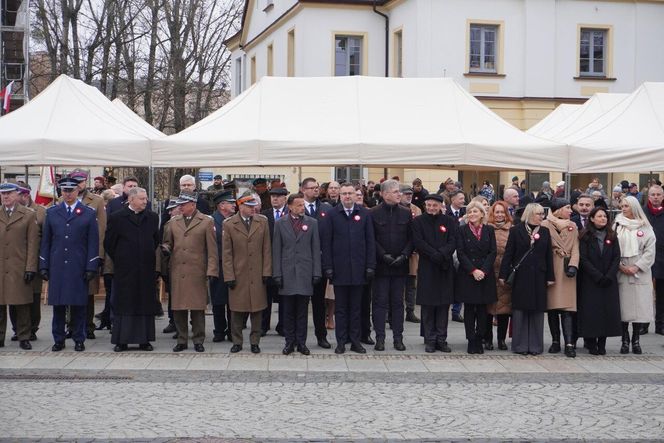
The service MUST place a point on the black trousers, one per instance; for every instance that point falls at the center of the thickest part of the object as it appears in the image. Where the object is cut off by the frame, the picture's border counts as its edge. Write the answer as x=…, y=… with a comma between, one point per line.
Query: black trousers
x=221, y=316
x=348, y=314
x=388, y=294
x=35, y=314
x=318, y=309
x=503, y=323
x=474, y=318
x=659, y=303
x=411, y=291
x=434, y=323
x=365, y=312
x=77, y=325
x=296, y=318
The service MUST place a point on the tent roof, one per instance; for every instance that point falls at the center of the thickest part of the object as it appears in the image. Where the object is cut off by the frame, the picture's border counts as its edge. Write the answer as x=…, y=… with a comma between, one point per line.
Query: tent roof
x=156, y=133
x=71, y=123
x=556, y=117
x=371, y=121
x=628, y=137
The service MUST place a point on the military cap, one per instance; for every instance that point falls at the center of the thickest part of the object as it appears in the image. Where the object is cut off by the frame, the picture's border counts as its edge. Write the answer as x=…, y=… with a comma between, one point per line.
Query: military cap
x=79, y=175
x=218, y=177
x=172, y=203
x=8, y=187
x=259, y=181
x=247, y=199
x=68, y=183
x=187, y=197
x=223, y=196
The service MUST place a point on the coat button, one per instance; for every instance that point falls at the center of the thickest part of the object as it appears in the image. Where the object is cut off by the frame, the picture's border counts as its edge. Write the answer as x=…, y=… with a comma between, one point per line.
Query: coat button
x=65, y=261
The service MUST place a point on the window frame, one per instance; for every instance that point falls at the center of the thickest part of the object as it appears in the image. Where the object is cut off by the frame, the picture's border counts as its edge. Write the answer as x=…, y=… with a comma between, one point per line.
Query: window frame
x=591, y=52
x=363, y=56
x=499, y=48
x=483, y=30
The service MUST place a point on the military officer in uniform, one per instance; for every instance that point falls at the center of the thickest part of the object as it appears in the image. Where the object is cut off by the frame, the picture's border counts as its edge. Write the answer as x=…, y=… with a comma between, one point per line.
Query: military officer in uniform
x=19, y=241
x=221, y=313
x=96, y=203
x=190, y=241
x=69, y=256
x=247, y=262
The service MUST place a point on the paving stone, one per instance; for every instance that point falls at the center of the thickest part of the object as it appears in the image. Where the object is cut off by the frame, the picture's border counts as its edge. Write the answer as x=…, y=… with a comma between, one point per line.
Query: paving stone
x=15, y=361
x=91, y=362
x=368, y=365
x=242, y=363
x=179, y=362
x=287, y=364
x=209, y=363
x=130, y=362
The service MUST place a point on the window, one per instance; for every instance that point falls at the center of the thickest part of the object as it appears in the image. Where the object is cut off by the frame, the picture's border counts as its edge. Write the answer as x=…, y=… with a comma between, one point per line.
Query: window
x=253, y=69
x=270, y=60
x=352, y=174
x=347, y=55
x=291, y=53
x=592, y=52
x=483, y=48
x=398, y=54
x=238, y=76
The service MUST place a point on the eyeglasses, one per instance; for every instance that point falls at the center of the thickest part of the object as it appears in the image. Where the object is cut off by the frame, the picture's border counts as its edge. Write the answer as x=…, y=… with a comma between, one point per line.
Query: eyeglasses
x=311, y=188
x=347, y=193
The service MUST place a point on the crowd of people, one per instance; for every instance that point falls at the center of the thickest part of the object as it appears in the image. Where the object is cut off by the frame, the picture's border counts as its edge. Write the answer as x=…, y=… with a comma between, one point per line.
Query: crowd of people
x=362, y=256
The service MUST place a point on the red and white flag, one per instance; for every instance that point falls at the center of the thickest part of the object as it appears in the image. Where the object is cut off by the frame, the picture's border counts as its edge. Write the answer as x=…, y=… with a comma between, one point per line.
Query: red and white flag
x=6, y=95
x=46, y=190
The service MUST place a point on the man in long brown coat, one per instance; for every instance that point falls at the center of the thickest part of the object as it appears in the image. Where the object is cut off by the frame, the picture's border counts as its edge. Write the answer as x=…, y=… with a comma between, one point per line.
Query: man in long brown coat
x=19, y=238
x=190, y=241
x=95, y=202
x=247, y=263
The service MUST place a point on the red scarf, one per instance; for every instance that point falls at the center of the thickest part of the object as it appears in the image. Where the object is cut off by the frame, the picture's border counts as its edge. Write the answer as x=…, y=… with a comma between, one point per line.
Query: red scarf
x=653, y=210
x=477, y=232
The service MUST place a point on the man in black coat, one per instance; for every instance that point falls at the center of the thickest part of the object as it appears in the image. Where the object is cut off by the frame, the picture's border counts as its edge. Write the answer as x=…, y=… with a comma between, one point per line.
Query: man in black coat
x=654, y=210
x=392, y=227
x=313, y=207
x=132, y=239
x=118, y=203
x=277, y=210
x=221, y=312
x=349, y=262
x=584, y=205
x=434, y=238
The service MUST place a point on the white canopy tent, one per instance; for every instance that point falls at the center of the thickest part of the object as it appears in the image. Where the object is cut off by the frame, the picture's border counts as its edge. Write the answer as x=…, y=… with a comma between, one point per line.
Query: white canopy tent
x=628, y=137
x=156, y=133
x=556, y=117
x=368, y=121
x=71, y=123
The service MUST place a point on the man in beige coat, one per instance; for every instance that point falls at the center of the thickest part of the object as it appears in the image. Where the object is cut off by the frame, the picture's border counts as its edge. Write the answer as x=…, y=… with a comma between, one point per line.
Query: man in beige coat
x=247, y=263
x=19, y=237
x=191, y=244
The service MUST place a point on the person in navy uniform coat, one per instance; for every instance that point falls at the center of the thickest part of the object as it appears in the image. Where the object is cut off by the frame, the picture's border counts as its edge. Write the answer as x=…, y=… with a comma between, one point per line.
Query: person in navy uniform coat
x=349, y=262
x=69, y=260
x=221, y=313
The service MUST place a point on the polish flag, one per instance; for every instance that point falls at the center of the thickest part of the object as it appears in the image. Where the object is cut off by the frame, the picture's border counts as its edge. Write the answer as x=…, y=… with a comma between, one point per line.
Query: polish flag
x=45, y=192
x=6, y=95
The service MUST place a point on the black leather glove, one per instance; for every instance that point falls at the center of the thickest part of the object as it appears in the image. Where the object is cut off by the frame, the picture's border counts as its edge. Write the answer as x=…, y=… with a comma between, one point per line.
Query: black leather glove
x=278, y=282
x=571, y=271
x=399, y=261
x=315, y=280
x=231, y=284
x=28, y=277
x=165, y=251
x=329, y=274
x=212, y=280
x=266, y=280
x=369, y=274
x=89, y=276
x=437, y=258
x=101, y=263
x=44, y=274
x=388, y=259
x=605, y=282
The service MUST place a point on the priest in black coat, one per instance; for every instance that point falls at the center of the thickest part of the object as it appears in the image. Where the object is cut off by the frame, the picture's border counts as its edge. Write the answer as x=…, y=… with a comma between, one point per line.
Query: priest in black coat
x=434, y=239
x=132, y=239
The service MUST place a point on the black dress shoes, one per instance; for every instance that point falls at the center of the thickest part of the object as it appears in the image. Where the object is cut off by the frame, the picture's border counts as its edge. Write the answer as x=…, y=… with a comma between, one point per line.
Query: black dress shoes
x=443, y=347
x=179, y=347
x=14, y=337
x=340, y=349
x=236, y=348
x=175, y=336
x=79, y=346
x=288, y=349
x=33, y=336
x=430, y=348
x=120, y=348
x=380, y=345
x=399, y=346
x=302, y=349
x=488, y=345
x=554, y=348
x=255, y=349
x=502, y=346
x=323, y=343
x=367, y=340
x=198, y=347
x=411, y=317
x=25, y=344
x=218, y=338
x=56, y=347
x=103, y=325
x=357, y=348
x=146, y=347
x=90, y=335
x=169, y=329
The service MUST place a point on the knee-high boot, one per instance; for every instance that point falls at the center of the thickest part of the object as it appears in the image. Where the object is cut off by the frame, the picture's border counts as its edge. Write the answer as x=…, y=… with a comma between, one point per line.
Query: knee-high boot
x=636, y=346
x=554, y=326
x=624, y=348
x=568, y=333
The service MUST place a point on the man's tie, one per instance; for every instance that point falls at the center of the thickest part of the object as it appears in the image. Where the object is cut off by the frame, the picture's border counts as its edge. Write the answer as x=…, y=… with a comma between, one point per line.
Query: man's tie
x=247, y=223
x=583, y=222
x=456, y=214
x=9, y=213
x=511, y=211
x=277, y=214
x=349, y=211
x=312, y=209
x=68, y=211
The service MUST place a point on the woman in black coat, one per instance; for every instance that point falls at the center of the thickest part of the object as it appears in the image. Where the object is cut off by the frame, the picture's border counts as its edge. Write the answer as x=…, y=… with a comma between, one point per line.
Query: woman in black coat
x=599, y=301
x=529, y=243
x=475, y=282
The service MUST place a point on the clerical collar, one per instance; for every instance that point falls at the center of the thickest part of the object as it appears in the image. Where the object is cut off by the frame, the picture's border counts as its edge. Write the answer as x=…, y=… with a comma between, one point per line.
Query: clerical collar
x=133, y=210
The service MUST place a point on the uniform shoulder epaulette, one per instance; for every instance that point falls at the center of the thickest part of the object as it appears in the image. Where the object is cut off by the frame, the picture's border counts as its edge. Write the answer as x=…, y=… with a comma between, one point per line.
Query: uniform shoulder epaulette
x=260, y=217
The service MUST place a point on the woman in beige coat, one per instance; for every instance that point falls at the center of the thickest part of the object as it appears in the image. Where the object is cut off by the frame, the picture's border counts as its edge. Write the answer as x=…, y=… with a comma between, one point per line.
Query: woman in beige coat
x=561, y=296
x=637, y=255
x=499, y=218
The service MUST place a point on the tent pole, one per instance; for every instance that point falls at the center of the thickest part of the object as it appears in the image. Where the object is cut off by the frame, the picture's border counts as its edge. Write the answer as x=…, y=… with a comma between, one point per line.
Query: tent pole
x=568, y=184
x=26, y=174
x=299, y=176
x=151, y=183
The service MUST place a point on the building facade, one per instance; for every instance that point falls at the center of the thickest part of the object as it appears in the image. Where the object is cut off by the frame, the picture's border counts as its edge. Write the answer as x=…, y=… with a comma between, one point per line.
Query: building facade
x=519, y=57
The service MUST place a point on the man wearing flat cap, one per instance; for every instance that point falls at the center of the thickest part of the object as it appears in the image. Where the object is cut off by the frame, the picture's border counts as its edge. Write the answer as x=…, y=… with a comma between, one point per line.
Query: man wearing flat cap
x=212, y=190
x=260, y=187
x=278, y=209
x=96, y=203
x=247, y=262
x=190, y=241
x=224, y=203
x=69, y=257
x=19, y=237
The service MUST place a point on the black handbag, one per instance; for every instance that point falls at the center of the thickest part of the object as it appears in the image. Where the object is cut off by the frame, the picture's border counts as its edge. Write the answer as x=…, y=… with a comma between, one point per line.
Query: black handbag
x=512, y=275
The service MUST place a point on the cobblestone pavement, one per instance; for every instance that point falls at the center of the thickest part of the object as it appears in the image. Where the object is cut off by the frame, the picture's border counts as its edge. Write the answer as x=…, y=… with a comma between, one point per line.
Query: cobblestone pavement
x=164, y=397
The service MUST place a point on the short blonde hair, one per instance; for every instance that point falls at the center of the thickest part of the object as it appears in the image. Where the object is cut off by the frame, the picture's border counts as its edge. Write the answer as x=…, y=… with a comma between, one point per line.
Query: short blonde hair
x=476, y=204
x=530, y=210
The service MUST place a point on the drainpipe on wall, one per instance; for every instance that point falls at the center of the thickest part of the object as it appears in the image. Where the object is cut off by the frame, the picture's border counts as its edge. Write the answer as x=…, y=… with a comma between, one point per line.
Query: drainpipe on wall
x=387, y=37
